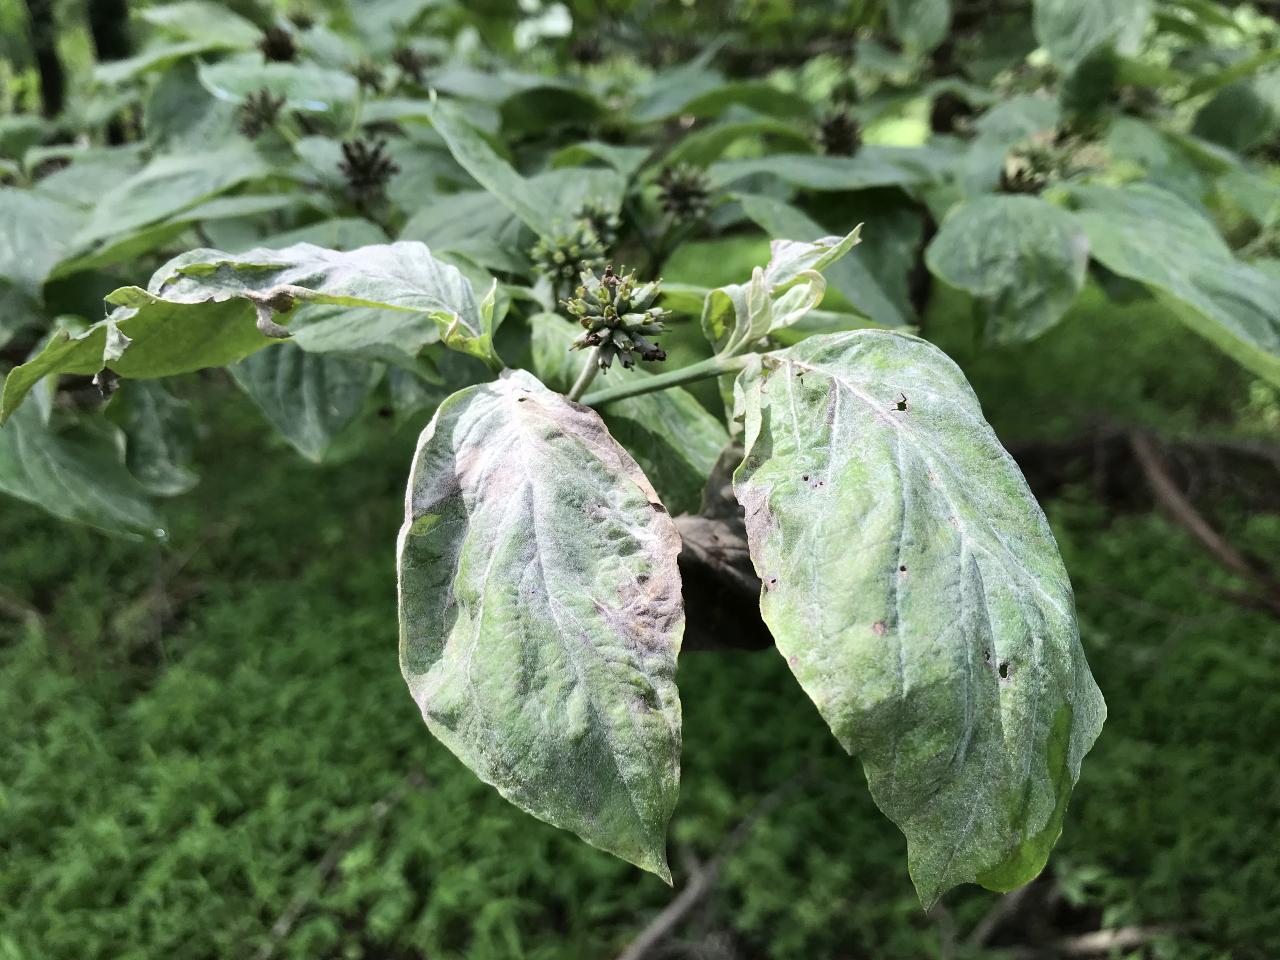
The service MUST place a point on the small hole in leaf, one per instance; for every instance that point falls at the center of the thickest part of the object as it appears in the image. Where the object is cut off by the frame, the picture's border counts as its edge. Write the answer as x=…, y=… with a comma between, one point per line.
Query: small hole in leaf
x=902, y=402
x=903, y=568
x=521, y=399
x=805, y=478
x=1004, y=669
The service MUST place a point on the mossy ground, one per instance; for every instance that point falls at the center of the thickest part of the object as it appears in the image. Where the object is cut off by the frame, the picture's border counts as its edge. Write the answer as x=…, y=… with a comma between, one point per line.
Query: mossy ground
x=190, y=730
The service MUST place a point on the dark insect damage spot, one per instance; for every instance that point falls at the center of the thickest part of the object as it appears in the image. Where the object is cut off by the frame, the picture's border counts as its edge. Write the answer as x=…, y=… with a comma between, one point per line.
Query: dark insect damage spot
x=903, y=568
x=1004, y=669
x=902, y=404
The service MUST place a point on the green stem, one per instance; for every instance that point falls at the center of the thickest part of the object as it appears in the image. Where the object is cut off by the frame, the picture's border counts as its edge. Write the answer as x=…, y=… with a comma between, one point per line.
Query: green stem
x=713, y=367
x=588, y=374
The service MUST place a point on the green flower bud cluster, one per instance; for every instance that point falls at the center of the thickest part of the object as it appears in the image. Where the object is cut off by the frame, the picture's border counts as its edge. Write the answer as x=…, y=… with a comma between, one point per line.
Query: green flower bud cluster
x=561, y=258
x=604, y=222
x=619, y=317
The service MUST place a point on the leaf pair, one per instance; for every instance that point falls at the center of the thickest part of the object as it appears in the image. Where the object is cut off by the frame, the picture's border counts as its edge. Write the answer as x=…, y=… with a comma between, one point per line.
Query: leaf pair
x=909, y=578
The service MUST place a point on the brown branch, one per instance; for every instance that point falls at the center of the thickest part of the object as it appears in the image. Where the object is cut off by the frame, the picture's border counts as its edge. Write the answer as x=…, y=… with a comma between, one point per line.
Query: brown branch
x=1092, y=944
x=1004, y=910
x=702, y=879
x=1181, y=510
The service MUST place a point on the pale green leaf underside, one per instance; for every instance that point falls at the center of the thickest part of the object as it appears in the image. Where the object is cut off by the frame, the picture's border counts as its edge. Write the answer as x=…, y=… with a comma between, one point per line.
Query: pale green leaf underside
x=912, y=583
x=1150, y=235
x=1022, y=258
x=541, y=616
x=198, y=310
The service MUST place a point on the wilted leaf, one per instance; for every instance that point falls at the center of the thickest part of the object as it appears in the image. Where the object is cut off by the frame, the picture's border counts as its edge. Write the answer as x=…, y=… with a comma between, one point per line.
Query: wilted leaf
x=1022, y=258
x=914, y=587
x=779, y=294
x=849, y=275
x=541, y=616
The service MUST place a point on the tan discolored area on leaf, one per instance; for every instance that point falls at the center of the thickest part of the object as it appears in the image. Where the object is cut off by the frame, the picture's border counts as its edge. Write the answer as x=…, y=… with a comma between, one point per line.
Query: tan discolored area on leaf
x=912, y=583
x=541, y=614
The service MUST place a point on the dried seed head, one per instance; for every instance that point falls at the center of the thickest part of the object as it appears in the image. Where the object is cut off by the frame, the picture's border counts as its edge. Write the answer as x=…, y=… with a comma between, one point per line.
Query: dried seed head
x=259, y=111
x=277, y=44
x=412, y=63
x=367, y=167
x=369, y=75
x=684, y=192
x=839, y=134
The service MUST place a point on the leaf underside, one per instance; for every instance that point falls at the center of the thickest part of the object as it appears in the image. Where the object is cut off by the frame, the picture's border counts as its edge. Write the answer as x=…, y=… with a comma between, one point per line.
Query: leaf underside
x=540, y=613
x=912, y=583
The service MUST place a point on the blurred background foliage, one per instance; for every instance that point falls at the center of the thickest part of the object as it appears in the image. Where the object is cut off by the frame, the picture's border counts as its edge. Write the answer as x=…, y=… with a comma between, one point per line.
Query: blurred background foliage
x=207, y=750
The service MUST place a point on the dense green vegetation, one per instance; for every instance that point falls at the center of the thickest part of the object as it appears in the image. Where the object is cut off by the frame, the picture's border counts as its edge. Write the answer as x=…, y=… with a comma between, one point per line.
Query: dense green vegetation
x=750, y=238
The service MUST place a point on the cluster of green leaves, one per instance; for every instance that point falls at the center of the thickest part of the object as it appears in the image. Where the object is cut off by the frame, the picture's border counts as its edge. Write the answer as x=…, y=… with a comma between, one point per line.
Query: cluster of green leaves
x=384, y=224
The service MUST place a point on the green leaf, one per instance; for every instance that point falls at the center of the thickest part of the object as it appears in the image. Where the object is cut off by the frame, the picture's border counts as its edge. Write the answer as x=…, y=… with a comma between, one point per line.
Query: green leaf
x=167, y=186
x=35, y=233
x=310, y=398
x=493, y=173
x=920, y=24
x=1022, y=258
x=204, y=21
x=164, y=340
x=703, y=147
x=402, y=276
x=849, y=275
x=540, y=613
x=162, y=437
x=913, y=585
x=75, y=474
x=304, y=86
x=1072, y=29
x=873, y=166
x=1149, y=235
x=116, y=72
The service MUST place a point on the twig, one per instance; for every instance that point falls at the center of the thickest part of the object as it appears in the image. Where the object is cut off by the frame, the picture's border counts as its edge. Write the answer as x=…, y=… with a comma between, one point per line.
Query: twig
x=1005, y=908
x=703, y=879
x=18, y=609
x=1182, y=510
x=1092, y=944
x=325, y=868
